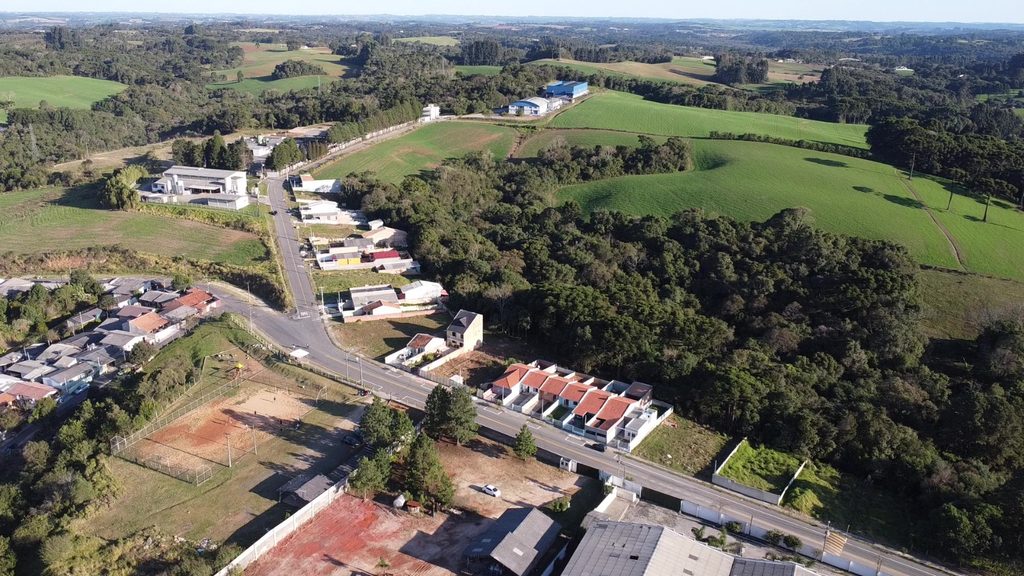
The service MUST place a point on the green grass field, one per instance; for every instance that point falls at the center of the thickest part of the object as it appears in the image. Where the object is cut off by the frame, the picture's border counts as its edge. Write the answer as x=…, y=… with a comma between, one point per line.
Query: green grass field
x=58, y=91
x=955, y=305
x=589, y=138
x=433, y=40
x=482, y=70
x=761, y=468
x=259, y=65
x=422, y=149
x=754, y=181
x=685, y=70
x=50, y=219
x=683, y=445
x=380, y=338
x=630, y=113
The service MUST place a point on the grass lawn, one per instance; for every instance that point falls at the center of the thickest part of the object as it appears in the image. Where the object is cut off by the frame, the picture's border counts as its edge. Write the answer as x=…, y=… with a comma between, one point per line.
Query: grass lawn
x=482, y=70
x=955, y=305
x=754, y=181
x=589, y=138
x=823, y=493
x=422, y=149
x=761, y=468
x=259, y=64
x=992, y=247
x=53, y=219
x=433, y=40
x=683, y=69
x=630, y=113
x=380, y=338
x=58, y=91
x=336, y=281
x=692, y=447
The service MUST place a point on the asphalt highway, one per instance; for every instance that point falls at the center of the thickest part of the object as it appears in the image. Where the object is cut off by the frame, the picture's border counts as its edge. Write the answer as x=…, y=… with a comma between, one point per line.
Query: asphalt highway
x=305, y=329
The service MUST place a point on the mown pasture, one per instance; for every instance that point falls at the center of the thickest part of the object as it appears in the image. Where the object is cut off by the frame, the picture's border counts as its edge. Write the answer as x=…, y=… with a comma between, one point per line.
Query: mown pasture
x=57, y=91
x=260, y=62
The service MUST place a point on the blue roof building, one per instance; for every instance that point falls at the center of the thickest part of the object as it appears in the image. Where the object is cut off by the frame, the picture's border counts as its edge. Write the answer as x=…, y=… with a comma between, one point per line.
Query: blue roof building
x=571, y=89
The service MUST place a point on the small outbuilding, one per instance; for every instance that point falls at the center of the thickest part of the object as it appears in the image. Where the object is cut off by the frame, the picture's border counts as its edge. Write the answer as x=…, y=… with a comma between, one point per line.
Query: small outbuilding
x=513, y=545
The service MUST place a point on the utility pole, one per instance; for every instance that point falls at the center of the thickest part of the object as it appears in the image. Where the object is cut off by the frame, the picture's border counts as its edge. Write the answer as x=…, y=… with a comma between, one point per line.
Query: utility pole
x=255, y=450
x=359, y=360
x=913, y=160
x=228, y=436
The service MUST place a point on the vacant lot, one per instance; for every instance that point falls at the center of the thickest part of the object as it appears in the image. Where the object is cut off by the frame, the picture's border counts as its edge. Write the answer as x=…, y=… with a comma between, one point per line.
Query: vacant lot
x=956, y=305
x=260, y=62
x=761, y=468
x=237, y=504
x=433, y=40
x=352, y=535
x=422, y=149
x=58, y=91
x=754, y=181
x=380, y=338
x=621, y=111
x=53, y=219
x=684, y=445
x=335, y=284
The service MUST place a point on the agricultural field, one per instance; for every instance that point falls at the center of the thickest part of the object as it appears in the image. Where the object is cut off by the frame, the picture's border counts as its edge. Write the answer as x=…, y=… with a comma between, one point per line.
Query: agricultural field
x=379, y=338
x=240, y=503
x=58, y=91
x=754, y=181
x=955, y=305
x=481, y=70
x=685, y=69
x=683, y=445
x=630, y=113
x=54, y=219
x=259, y=64
x=531, y=146
x=432, y=40
x=761, y=468
x=1017, y=97
x=422, y=149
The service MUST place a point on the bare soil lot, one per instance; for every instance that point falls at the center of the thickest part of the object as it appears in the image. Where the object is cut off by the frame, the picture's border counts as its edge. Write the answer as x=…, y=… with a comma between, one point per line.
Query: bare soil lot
x=352, y=535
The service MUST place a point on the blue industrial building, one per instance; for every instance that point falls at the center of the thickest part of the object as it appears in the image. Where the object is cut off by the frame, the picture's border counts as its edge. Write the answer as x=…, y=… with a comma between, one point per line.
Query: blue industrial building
x=572, y=90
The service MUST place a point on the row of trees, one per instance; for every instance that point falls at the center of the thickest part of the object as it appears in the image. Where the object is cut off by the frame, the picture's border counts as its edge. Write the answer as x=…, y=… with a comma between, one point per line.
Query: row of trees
x=212, y=153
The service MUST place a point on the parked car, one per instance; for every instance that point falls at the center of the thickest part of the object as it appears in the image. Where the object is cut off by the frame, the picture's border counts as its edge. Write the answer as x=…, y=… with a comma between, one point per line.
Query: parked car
x=273, y=212
x=351, y=440
x=598, y=446
x=492, y=490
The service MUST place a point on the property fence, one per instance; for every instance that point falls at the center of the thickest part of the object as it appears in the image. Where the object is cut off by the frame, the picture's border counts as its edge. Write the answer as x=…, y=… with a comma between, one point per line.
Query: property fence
x=284, y=529
x=194, y=475
x=763, y=495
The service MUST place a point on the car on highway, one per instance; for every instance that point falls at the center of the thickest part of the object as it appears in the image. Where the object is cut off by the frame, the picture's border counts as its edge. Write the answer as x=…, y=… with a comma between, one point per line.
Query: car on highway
x=492, y=490
x=598, y=446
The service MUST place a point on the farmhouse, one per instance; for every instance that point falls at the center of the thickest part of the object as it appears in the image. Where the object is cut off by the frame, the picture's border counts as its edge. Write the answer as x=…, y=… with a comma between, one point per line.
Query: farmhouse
x=571, y=90
x=466, y=330
x=192, y=180
x=513, y=545
x=613, y=412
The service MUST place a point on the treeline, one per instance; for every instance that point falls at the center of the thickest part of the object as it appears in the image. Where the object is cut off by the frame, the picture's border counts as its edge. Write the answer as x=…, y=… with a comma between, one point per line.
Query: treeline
x=403, y=112
x=212, y=153
x=805, y=144
x=985, y=164
x=576, y=49
x=294, y=68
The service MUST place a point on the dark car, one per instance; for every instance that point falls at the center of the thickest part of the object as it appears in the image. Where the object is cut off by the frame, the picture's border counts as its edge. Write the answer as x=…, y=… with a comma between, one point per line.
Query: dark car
x=598, y=446
x=351, y=441
x=273, y=212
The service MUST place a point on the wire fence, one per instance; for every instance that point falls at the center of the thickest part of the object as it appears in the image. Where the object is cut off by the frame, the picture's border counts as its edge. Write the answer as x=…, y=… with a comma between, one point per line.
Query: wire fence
x=194, y=475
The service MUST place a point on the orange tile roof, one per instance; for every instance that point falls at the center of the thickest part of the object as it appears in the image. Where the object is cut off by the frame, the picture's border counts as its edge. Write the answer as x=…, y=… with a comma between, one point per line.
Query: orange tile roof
x=574, y=391
x=6, y=399
x=195, y=298
x=592, y=402
x=512, y=376
x=420, y=340
x=554, y=385
x=535, y=379
x=614, y=409
x=148, y=323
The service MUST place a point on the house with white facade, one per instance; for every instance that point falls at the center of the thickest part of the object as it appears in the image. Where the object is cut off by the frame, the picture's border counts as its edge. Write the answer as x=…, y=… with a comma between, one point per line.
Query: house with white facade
x=421, y=292
x=192, y=180
x=430, y=113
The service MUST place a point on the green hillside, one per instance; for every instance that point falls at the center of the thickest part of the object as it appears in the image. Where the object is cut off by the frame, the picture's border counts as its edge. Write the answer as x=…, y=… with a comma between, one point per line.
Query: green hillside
x=753, y=181
x=259, y=64
x=58, y=91
x=422, y=149
x=589, y=138
x=621, y=111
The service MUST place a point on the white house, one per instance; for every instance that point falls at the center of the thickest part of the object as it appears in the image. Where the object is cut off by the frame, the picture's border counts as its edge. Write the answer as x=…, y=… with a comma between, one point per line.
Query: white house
x=307, y=183
x=192, y=180
x=430, y=113
x=529, y=107
x=321, y=211
x=421, y=291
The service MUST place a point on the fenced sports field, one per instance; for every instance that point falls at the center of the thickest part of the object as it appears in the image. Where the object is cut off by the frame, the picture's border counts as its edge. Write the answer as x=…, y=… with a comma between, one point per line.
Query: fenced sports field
x=237, y=405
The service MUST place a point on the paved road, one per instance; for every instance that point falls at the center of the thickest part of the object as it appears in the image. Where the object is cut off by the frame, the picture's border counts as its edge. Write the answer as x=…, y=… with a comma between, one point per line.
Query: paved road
x=309, y=332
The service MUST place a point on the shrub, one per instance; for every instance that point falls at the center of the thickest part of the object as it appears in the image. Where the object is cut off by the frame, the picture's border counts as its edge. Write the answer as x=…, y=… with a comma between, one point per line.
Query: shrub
x=792, y=542
x=734, y=527
x=774, y=537
x=559, y=504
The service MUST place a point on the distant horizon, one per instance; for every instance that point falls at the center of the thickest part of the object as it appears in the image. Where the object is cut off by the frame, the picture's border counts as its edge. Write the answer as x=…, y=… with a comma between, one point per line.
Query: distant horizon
x=874, y=11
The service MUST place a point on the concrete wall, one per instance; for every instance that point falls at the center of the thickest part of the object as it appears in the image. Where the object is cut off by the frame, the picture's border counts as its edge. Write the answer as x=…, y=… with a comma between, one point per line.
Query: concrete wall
x=764, y=496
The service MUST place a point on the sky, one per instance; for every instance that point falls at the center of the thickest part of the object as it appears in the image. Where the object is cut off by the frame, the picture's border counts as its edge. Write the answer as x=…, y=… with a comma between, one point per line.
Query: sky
x=1010, y=11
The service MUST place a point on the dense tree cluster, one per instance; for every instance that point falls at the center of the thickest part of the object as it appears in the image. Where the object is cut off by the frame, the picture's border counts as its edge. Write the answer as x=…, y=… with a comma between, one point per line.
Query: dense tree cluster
x=212, y=153
x=294, y=68
x=734, y=69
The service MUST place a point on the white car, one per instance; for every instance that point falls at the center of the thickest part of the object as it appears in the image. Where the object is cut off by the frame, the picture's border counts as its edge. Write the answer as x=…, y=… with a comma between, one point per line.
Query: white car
x=492, y=490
